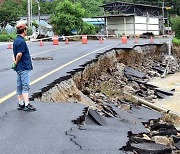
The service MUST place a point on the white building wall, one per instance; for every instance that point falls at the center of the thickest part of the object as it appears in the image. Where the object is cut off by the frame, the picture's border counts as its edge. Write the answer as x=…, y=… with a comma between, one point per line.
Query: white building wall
x=140, y=20
x=116, y=24
x=134, y=25
x=140, y=27
x=146, y=24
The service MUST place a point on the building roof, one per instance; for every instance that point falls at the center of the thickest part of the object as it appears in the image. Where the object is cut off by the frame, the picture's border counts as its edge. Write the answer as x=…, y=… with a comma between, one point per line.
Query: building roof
x=132, y=8
x=131, y=4
x=95, y=21
x=115, y=15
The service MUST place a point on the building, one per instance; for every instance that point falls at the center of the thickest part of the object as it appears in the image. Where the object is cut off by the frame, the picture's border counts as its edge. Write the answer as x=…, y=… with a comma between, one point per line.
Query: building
x=132, y=19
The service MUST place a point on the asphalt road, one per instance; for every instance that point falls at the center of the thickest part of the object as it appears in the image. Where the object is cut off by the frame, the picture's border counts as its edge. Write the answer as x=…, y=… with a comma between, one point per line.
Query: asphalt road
x=45, y=131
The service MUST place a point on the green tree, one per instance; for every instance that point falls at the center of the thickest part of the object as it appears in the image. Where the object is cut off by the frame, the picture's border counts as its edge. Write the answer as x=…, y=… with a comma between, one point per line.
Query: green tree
x=9, y=13
x=91, y=7
x=67, y=17
x=48, y=7
x=176, y=26
x=88, y=28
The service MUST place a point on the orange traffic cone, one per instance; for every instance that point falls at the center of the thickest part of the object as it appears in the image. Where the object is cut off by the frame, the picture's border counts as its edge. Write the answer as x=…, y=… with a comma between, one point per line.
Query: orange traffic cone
x=67, y=41
x=151, y=40
x=101, y=40
x=9, y=46
x=124, y=39
x=136, y=40
x=41, y=43
x=84, y=39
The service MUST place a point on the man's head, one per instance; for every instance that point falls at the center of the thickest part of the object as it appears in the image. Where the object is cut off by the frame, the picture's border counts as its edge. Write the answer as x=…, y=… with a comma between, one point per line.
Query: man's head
x=21, y=28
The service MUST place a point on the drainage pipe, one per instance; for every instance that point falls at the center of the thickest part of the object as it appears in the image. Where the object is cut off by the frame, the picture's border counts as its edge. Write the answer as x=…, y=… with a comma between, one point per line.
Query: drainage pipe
x=153, y=106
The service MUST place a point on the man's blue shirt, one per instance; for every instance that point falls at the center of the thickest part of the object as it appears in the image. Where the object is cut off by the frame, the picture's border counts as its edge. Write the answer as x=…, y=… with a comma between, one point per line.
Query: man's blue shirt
x=20, y=46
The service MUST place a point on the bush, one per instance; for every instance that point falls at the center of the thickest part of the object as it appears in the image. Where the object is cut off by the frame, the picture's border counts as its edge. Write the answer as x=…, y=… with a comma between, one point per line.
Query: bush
x=176, y=41
x=88, y=28
x=7, y=37
x=29, y=31
x=176, y=26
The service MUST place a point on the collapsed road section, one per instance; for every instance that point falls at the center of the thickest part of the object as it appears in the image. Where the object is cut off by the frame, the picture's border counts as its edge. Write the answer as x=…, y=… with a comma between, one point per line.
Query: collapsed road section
x=111, y=85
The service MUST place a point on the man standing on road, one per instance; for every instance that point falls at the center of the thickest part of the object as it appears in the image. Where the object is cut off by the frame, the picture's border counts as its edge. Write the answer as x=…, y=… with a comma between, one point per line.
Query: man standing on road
x=22, y=65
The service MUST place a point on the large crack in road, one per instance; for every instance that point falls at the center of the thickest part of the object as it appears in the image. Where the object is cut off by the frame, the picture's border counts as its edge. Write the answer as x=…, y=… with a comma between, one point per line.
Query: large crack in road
x=116, y=122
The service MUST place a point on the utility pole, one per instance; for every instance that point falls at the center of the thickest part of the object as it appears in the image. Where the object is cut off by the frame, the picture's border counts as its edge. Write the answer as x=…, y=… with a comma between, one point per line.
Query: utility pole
x=39, y=9
x=28, y=13
x=163, y=16
x=31, y=14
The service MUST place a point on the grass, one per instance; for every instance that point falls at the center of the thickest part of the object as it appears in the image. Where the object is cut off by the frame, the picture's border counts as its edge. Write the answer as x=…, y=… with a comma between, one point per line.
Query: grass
x=176, y=41
x=7, y=37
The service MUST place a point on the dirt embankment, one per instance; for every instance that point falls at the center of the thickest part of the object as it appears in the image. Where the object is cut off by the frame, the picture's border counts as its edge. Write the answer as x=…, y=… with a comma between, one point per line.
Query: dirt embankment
x=106, y=74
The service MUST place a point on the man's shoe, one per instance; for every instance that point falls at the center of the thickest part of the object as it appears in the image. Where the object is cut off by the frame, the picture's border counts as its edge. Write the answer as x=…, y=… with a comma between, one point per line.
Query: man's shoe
x=29, y=107
x=21, y=107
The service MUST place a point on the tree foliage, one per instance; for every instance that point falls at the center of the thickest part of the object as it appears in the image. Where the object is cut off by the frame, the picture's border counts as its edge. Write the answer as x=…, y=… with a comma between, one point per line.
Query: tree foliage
x=9, y=13
x=176, y=26
x=88, y=28
x=91, y=7
x=67, y=17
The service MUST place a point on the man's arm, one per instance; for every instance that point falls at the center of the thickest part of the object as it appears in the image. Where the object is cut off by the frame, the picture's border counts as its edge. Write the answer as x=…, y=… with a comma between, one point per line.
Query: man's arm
x=13, y=59
x=18, y=57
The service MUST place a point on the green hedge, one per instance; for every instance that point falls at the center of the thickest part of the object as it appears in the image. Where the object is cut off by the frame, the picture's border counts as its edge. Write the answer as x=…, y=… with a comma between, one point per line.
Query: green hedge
x=176, y=41
x=7, y=37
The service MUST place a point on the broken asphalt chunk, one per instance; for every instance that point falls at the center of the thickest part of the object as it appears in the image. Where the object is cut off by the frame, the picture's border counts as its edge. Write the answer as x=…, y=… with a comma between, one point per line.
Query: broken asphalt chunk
x=159, y=69
x=97, y=117
x=150, y=148
x=129, y=71
x=162, y=93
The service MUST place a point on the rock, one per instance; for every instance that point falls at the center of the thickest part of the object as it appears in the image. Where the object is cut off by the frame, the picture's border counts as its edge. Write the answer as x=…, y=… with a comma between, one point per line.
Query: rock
x=146, y=137
x=138, y=49
x=153, y=73
x=125, y=107
x=134, y=85
x=114, y=100
x=104, y=76
x=150, y=92
x=120, y=67
x=154, y=96
x=99, y=107
x=149, y=98
x=71, y=100
x=70, y=95
x=99, y=101
x=102, y=96
x=154, y=133
x=161, y=140
x=86, y=91
x=128, y=89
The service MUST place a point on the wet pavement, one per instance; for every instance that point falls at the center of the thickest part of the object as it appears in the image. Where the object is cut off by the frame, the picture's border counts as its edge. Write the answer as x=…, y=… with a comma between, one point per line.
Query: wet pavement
x=50, y=129
x=43, y=131
x=169, y=83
